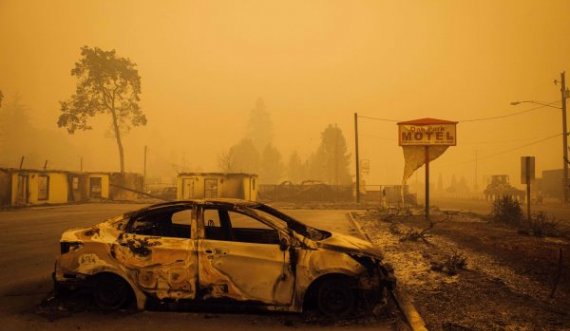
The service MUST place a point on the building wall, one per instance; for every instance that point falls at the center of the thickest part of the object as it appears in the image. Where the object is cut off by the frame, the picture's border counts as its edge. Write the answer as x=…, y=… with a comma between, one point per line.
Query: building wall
x=133, y=183
x=5, y=188
x=20, y=187
x=14, y=188
x=551, y=183
x=227, y=186
x=232, y=187
x=55, y=186
x=250, y=188
x=104, y=185
x=58, y=188
x=33, y=187
x=190, y=187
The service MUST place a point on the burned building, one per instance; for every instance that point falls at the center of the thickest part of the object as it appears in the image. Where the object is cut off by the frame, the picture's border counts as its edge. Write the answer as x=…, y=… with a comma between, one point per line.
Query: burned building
x=200, y=185
x=24, y=187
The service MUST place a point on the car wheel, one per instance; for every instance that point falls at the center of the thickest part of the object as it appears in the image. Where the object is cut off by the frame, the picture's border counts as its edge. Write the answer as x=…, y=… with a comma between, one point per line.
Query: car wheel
x=111, y=292
x=336, y=298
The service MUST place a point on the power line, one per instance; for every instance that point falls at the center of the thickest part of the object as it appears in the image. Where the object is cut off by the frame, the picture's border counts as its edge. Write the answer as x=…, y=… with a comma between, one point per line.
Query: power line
x=503, y=116
x=495, y=142
x=469, y=119
x=378, y=119
x=505, y=151
x=379, y=137
x=522, y=146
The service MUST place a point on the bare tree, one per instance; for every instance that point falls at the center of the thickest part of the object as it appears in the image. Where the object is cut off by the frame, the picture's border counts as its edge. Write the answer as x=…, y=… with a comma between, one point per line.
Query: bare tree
x=226, y=160
x=107, y=84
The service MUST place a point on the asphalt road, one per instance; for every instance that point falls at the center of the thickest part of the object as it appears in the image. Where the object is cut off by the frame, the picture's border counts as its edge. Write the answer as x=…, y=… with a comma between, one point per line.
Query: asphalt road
x=29, y=243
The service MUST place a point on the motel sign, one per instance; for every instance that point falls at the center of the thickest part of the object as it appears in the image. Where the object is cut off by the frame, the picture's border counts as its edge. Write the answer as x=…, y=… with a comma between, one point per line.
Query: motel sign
x=424, y=140
x=427, y=132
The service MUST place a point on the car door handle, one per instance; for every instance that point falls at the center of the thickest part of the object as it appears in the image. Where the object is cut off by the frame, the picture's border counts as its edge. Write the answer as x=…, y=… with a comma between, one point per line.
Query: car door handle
x=209, y=251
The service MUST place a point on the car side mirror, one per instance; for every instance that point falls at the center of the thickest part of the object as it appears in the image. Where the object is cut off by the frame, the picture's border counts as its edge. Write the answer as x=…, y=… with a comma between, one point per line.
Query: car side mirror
x=283, y=244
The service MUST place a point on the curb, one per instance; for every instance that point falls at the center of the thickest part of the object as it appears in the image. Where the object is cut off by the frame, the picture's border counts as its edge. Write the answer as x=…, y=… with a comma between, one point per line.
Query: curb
x=413, y=317
x=357, y=226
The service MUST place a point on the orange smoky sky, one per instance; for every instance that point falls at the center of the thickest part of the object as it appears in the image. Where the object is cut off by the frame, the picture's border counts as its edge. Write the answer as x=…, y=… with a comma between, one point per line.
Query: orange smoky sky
x=204, y=64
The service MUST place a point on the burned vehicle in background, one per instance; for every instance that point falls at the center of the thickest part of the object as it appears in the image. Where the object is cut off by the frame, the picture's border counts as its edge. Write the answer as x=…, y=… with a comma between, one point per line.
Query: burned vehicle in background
x=222, y=250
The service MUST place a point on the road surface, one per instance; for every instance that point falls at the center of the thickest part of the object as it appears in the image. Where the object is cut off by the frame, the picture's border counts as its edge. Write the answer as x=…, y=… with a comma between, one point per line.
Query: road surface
x=29, y=243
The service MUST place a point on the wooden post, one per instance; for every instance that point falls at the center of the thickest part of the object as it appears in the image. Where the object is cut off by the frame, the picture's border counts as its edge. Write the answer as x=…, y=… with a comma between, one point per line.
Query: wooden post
x=357, y=161
x=427, y=181
x=144, y=168
x=564, y=139
x=528, y=187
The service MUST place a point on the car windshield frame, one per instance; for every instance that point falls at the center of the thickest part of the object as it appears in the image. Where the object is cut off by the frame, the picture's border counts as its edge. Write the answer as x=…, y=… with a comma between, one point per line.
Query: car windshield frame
x=292, y=223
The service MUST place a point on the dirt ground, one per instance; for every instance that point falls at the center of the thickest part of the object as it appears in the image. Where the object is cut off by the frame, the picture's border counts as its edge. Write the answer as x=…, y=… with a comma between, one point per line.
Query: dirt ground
x=470, y=273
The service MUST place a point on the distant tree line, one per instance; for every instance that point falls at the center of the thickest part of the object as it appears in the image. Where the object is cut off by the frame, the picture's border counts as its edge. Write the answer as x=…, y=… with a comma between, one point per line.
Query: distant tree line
x=255, y=153
x=20, y=138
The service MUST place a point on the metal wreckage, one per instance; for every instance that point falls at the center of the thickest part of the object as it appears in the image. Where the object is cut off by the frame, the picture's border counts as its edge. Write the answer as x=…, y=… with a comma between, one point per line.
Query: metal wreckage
x=222, y=251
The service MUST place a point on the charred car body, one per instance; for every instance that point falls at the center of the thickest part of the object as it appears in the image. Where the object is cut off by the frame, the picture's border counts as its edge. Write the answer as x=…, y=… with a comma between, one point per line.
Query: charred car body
x=221, y=251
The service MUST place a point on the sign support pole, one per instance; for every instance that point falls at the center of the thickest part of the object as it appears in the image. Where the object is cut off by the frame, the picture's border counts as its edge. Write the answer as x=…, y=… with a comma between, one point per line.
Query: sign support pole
x=427, y=181
x=357, y=161
x=528, y=188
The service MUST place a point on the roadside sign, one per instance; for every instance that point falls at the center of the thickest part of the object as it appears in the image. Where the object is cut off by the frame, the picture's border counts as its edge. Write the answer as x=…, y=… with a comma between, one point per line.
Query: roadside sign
x=527, y=169
x=527, y=176
x=427, y=132
x=424, y=140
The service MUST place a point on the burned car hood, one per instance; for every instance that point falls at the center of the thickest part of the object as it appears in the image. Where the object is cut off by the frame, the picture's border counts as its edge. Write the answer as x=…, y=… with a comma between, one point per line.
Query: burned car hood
x=349, y=244
x=74, y=234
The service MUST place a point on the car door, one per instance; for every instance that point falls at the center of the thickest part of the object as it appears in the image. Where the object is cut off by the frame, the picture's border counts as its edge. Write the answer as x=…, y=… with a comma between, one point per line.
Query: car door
x=240, y=258
x=159, y=253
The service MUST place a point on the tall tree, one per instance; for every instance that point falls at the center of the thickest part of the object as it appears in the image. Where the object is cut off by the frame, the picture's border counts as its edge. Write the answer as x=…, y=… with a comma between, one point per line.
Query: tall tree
x=17, y=136
x=20, y=138
x=295, y=168
x=245, y=157
x=271, y=169
x=330, y=162
x=259, y=126
x=106, y=84
x=440, y=183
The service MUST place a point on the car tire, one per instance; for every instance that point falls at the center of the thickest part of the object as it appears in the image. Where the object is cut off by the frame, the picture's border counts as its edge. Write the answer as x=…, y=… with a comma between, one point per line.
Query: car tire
x=336, y=298
x=111, y=292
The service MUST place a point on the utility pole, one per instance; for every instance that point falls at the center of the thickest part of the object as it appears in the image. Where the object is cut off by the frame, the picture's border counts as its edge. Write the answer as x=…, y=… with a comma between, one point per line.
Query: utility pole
x=564, y=137
x=475, y=186
x=144, y=167
x=357, y=159
x=426, y=151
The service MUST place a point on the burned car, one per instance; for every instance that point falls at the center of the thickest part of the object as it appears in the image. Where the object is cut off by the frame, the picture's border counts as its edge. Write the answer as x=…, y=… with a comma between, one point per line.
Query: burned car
x=221, y=251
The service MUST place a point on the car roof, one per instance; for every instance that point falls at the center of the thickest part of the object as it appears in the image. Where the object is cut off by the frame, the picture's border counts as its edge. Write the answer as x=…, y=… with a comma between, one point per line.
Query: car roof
x=210, y=202
x=229, y=201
